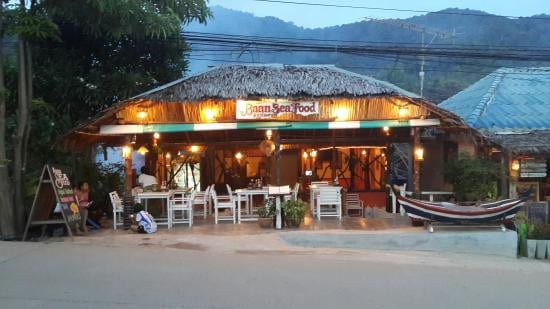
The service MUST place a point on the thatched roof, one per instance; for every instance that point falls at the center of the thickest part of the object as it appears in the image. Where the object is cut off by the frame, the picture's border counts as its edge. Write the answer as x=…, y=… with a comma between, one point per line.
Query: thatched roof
x=530, y=143
x=228, y=83
x=273, y=80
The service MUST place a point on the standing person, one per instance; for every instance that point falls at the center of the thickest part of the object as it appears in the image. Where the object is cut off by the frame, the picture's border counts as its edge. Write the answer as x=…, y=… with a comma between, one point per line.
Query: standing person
x=82, y=193
x=146, y=179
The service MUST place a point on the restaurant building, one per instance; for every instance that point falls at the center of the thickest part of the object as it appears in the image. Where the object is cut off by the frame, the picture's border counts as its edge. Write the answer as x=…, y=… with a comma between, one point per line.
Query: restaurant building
x=283, y=124
x=511, y=109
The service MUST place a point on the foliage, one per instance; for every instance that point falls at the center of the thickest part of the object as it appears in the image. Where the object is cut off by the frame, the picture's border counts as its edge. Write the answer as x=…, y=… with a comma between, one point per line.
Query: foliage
x=294, y=210
x=35, y=27
x=263, y=212
x=269, y=211
x=473, y=177
x=87, y=55
x=538, y=231
x=102, y=178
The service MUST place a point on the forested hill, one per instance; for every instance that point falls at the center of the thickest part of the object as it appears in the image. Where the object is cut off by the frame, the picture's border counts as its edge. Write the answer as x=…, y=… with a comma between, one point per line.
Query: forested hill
x=444, y=76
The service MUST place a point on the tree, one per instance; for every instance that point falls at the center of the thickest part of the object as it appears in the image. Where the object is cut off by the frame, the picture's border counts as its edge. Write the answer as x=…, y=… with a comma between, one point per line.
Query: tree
x=473, y=178
x=78, y=57
x=7, y=228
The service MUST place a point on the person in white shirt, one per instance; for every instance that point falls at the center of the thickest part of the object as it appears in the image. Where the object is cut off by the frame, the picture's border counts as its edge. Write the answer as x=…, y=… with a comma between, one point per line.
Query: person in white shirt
x=145, y=179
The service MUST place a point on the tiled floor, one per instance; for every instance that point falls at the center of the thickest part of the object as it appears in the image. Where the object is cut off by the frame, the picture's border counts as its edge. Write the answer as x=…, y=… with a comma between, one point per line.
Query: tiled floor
x=376, y=221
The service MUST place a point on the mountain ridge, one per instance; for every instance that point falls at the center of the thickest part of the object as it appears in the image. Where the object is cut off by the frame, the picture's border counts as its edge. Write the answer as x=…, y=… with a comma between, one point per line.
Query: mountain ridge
x=444, y=77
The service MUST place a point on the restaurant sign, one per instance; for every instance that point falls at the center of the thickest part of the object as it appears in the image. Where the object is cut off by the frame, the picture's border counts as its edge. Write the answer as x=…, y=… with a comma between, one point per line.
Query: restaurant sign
x=274, y=109
x=533, y=168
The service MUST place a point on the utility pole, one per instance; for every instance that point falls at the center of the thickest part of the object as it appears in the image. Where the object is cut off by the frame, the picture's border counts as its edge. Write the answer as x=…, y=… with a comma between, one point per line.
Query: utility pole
x=423, y=31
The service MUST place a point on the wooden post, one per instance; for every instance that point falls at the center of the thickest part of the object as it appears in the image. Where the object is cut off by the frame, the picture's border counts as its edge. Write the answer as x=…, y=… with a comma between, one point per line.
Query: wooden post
x=128, y=200
x=504, y=174
x=129, y=175
x=277, y=141
x=416, y=163
x=334, y=158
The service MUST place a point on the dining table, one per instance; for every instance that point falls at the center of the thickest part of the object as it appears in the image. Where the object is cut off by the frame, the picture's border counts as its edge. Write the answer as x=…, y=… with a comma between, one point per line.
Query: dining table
x=247, y=195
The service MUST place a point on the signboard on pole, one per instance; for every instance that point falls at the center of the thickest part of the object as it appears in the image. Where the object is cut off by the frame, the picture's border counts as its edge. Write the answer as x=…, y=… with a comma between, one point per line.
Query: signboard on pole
x=533, y=168
x=54, y=201
x=274, y=109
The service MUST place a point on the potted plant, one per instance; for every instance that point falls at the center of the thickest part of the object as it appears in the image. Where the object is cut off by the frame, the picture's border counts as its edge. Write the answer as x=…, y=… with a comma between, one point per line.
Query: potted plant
x=532, y=235
x=543, y=242
x=521, y=229
x=294, y=211
x=266, y=215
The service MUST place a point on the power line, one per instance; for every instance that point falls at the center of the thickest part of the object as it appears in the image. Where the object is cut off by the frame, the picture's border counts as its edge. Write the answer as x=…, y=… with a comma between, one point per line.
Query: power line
x=290, y=45
x=376, y=68
x=346, y=6
x=391, y=43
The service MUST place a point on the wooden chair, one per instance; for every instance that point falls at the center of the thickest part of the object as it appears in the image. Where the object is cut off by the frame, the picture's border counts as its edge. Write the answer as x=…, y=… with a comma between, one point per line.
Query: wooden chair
x=354, y=203
x=180, y=203
x=329, y=204
x=118, y=209
x=222, y=204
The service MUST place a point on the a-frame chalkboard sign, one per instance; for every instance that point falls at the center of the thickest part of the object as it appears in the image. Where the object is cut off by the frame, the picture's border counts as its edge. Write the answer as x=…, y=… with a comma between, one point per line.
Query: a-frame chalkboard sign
x=54, y=202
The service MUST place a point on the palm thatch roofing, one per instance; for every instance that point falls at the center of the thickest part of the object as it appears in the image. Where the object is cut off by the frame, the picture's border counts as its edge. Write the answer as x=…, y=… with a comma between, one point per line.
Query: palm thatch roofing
x=232, y=82
x=510, y=106
x=273, y=80
x=535, y=142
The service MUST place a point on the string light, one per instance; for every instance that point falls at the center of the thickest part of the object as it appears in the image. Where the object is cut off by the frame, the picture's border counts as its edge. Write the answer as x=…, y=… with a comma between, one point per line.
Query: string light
x=313, y=153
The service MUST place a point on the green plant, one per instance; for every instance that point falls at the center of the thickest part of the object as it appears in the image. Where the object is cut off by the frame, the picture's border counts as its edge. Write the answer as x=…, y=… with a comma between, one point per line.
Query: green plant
x=535, y=231
x=263, y=212
x=473, y=177
x=294, y=210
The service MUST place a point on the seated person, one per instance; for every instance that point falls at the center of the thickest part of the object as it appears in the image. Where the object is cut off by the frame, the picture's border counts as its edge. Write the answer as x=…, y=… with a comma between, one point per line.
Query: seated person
x=82, y=193
x=146, y=179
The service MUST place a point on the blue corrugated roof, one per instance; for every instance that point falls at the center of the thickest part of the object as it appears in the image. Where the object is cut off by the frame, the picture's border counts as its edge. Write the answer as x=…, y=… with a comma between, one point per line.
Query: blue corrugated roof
x=507, y=100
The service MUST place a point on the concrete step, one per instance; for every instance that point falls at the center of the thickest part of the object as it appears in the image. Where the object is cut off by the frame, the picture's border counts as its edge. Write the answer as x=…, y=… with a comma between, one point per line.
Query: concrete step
x=469, y=240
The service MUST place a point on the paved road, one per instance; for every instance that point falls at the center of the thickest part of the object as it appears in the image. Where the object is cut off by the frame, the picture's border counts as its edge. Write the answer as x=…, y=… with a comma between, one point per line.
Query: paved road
x=65, y=275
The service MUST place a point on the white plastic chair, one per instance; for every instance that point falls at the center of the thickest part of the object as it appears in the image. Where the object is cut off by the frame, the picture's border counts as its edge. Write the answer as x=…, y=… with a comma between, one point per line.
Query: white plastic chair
x=180, y=203
x=118, y=209
x=202, y=198
x=221, y=204
x=329, y=204
x=354, y=203
x=294, y=193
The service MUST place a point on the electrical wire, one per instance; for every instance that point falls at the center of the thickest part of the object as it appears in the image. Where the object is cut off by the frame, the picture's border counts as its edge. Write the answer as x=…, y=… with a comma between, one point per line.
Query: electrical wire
x=346, y=6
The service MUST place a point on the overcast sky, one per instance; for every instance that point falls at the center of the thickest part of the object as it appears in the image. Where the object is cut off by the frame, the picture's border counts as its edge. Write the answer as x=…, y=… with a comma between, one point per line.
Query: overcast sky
x=312, y=17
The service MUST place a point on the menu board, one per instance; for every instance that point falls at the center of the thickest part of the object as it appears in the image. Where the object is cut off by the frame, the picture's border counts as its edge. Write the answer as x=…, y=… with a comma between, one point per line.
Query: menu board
x=54, y=202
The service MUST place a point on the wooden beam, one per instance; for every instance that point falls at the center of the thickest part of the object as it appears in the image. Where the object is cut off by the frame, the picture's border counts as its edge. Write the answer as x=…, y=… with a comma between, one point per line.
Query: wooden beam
x=416, y=163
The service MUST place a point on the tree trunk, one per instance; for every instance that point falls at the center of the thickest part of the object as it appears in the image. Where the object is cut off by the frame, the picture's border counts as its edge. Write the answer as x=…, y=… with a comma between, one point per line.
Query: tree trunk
x=7, y=228
x=22, y=131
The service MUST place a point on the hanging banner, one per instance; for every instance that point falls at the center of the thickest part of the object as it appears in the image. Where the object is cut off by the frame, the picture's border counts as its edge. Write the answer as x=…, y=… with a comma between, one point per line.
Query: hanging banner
x=272, y=109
